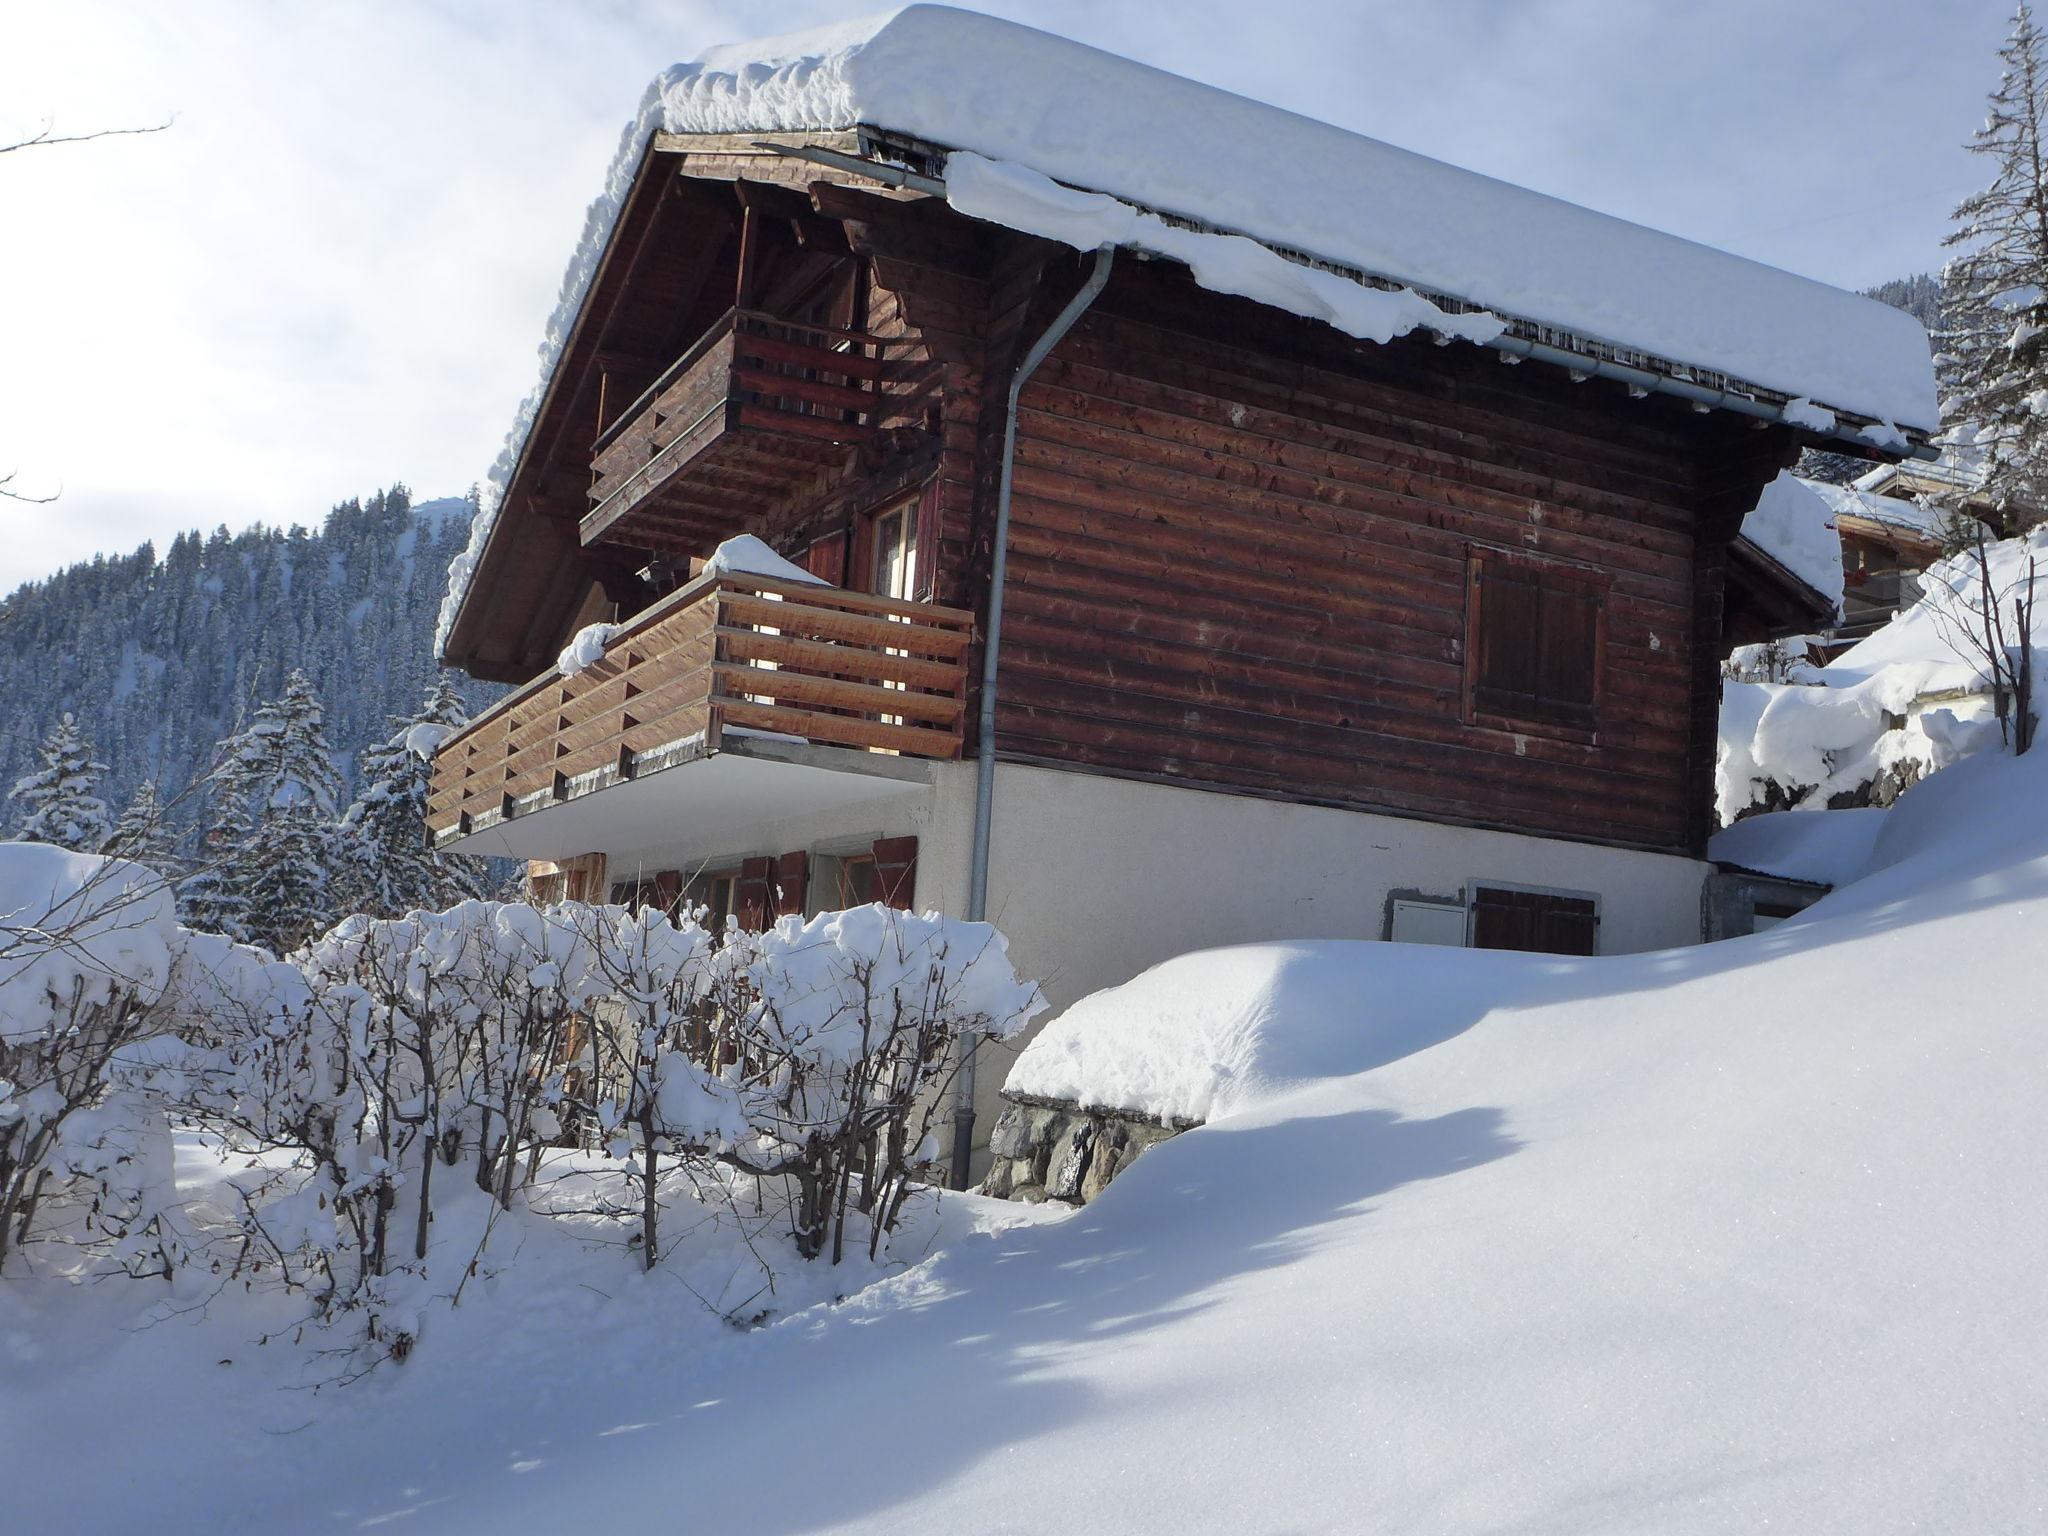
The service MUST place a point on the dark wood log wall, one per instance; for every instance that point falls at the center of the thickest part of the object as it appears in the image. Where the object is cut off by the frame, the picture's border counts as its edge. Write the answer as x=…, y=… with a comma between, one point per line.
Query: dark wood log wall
x=1239, y=551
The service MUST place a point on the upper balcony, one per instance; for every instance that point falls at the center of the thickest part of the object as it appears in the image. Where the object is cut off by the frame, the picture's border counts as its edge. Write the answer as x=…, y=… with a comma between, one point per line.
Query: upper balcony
x=728, y=661
x=744, y=417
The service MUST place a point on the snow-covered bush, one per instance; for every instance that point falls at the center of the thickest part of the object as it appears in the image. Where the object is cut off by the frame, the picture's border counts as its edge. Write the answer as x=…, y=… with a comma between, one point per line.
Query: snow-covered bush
x=86, y=953
x=791, y=1072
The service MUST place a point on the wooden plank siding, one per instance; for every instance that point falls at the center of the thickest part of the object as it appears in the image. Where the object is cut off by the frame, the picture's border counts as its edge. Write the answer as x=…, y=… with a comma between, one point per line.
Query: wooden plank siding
x=1241, y=542
x=1244, y=567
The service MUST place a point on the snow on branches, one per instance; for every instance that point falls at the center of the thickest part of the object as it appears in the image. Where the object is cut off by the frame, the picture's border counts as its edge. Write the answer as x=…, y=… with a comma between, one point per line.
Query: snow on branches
x=394, y=1065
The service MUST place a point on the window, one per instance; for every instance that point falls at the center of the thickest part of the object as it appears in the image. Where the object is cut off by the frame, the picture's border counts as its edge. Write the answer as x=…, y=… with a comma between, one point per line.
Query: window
x=1411, y=920
x=721, y=894
x=1534, y=632
x=1537, y=921
x=892, y=545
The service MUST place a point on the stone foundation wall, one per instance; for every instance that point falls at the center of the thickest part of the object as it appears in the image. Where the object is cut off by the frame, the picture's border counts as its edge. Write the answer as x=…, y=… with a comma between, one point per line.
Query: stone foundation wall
x=1046, y=1150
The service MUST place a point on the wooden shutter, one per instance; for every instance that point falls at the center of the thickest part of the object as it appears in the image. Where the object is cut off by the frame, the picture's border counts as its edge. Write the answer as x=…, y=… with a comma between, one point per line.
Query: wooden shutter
x=754, y=898
x=668, y=891
x=792, y=880
x=1507, y=602
x=896, y=871
x=1533, y=638
x=1537, y=922
x=826, y=558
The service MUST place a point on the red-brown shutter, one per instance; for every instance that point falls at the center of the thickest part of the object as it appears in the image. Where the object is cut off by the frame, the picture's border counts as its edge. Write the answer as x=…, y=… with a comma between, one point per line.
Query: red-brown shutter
x=668, y=891
x=1508, y=603
x=1533, y=638
x=792, y=880
x=1568, y=653
x=754, y=899
x=896, y=871
x=1536, y=922
x=826, y=558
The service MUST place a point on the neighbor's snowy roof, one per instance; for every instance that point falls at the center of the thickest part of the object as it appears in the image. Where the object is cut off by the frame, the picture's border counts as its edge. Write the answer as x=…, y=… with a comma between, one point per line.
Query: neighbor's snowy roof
x=1892, y=511
x=1046, y=110
x=1796, y=528
x=1819, y=847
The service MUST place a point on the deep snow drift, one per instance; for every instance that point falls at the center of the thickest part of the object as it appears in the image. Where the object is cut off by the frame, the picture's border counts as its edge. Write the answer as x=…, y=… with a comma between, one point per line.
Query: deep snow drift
x=1716, y=1239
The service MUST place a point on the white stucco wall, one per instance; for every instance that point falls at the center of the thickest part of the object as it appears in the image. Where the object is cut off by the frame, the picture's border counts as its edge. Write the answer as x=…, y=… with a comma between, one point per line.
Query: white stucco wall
x=1094, y=879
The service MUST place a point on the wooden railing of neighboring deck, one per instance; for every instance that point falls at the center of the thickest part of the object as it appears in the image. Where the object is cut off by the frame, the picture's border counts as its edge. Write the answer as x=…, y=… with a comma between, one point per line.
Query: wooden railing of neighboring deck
x=725, y=653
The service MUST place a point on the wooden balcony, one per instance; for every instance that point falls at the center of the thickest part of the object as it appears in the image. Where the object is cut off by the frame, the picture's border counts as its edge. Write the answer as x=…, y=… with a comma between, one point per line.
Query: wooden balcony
x=724, y=656
x=744, y=417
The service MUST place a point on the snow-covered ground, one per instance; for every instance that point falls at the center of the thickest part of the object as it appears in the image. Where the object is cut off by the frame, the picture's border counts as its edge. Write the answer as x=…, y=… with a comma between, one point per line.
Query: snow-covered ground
x=1721, y=1239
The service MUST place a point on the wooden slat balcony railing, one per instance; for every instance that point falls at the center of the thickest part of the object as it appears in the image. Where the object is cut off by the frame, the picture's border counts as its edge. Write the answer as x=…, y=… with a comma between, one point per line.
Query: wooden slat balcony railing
x=725, y=654
x=746, y=415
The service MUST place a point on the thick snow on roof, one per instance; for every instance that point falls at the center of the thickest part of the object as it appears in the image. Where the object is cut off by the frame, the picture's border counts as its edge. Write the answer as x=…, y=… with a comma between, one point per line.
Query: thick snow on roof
x=1795, y=526
x=1822, y=847
x=1104, y=123
x=1047, y=109
x=1892, y=511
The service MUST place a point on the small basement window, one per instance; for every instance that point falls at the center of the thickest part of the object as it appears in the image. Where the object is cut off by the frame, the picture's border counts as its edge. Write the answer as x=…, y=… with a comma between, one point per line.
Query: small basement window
x=1412, y=920
x=1534, y=633
x=1536, y=921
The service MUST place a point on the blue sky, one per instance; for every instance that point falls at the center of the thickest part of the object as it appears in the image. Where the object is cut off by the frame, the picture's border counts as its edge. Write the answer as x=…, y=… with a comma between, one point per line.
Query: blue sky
x=333, y=270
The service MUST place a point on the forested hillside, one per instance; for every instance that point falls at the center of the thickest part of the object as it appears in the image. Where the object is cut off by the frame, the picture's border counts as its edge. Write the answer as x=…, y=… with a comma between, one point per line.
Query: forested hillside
x=159, y=657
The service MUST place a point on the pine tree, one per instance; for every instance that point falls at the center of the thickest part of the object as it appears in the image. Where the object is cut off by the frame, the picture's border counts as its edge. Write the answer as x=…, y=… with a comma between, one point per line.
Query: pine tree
x=141, y=834
x=270, y=852
x=1995, y=345
x=291, y=848
x=215, y=897
x=57, y=800
x=389, y=867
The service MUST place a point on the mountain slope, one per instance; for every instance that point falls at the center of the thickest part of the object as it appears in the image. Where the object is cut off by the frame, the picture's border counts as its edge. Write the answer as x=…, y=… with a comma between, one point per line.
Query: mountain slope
x=160, y=657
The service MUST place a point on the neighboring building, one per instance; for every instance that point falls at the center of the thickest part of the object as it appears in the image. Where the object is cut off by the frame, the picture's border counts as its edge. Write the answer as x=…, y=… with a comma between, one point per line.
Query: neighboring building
x=1317, y=619
x=1887, y=541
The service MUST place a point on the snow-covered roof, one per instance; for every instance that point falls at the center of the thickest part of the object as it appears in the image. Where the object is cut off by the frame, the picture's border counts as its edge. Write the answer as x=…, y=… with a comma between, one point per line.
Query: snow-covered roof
x=1795, y=527
x=1040, y=117
x=1892, y=511
x=1815, y=846
x=1094, y=120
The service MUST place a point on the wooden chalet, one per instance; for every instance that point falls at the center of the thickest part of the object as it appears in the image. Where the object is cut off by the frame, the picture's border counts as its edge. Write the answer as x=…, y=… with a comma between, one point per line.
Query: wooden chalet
x=1302, y=635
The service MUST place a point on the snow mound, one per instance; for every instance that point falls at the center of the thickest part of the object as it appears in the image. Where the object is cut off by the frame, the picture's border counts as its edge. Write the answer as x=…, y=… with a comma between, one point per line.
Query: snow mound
x=1821, y=847
x=585, y=648
x=1211, y=1033
x=76, y=925
x=1794, y=525
x=745, y=555
x=1077, y=115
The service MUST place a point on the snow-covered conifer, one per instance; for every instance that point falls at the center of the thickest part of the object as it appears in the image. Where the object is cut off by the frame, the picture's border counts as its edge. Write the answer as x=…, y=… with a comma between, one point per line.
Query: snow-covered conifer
x=271, y=849
x=291, y=849
x=58, y=803
x=141, y=834
x=1995, y=344
x=387, y=866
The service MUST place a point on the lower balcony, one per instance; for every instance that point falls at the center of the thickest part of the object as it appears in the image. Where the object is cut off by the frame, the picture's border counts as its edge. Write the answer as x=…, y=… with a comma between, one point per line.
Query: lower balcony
x=805, y=696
